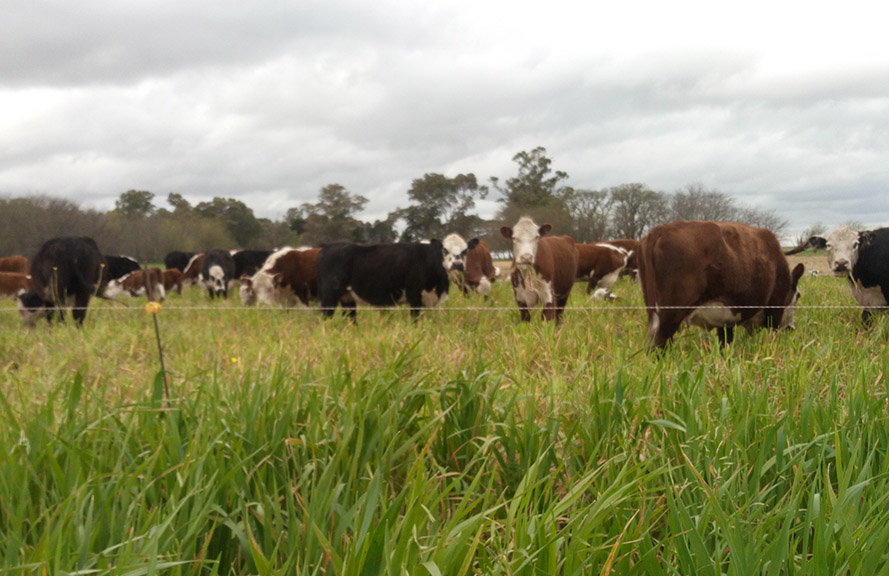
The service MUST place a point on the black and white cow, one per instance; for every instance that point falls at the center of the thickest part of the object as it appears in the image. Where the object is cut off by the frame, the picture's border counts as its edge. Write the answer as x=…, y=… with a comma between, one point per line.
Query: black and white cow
x=862, y=258
x=382, y=275
x=118, y=267
x=66, y=270
x=217, y=270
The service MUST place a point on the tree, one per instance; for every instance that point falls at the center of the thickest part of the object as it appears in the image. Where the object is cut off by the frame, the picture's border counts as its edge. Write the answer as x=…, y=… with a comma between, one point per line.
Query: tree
x=135, y=204
x=695, y=202
x=590, y=212
x=536, y=185
x=236, y=216
x=440, y=206
x=180, y=205
x=332, y=217
x=637, y=209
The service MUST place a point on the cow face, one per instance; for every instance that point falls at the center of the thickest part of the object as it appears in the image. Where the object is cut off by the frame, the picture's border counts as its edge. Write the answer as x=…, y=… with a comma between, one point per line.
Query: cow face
x=793, y=297
x=842, y=250
x=455, y=250
x=525, y=236
x=32, y=308
x=216, y=280
x=247, y=292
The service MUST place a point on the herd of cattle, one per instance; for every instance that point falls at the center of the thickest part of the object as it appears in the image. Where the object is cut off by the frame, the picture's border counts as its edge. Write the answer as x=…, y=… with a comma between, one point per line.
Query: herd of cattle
x=708, y=274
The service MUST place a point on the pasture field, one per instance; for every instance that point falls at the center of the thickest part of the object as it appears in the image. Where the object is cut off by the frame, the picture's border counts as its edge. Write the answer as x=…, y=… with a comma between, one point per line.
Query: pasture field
x=464, y=443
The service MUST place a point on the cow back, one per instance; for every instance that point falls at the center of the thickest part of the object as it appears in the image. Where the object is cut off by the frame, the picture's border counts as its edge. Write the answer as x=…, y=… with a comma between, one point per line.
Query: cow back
x=15, y=263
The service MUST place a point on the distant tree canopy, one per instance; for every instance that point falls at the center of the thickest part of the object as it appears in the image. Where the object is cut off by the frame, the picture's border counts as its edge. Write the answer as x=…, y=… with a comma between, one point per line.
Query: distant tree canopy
x=437, y=205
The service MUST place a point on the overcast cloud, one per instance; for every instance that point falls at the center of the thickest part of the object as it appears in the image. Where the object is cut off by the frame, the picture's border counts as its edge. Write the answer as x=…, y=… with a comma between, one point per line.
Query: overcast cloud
x=784, y=105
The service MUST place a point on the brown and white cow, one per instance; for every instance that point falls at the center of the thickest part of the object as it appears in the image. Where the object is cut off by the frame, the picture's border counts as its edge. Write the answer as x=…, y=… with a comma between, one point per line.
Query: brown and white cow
x=15, y=263
x=601, y=265
x=288, y=277
x=172, y=279
x=192, y=273
x=469, y=264
x=12, y=284
x=137, y=283
x=715, y=275
x=543, y=268
x=631, y=245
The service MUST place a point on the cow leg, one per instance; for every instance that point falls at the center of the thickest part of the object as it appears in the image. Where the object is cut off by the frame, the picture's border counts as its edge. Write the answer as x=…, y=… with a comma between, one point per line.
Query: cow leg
x=525, y=313
x=866, y=316
x=726, y=334
x=81, y=301
x=662, y=325
x=561, y=302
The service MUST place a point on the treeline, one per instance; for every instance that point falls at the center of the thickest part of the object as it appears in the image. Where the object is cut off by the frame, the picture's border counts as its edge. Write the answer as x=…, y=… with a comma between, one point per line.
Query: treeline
x=437, y=205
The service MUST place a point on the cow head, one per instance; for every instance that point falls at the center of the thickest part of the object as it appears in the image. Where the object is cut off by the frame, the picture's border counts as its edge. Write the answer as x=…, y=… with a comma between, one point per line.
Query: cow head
x=32, y=308
x=525, y=236
x=216, y=279
x=843, y=246
x=455, y=249
x=247, y=292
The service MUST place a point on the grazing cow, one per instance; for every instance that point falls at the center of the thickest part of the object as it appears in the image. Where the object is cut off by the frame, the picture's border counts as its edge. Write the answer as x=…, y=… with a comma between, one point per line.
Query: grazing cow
x=469, y=265
x=64, y=269
x=172, y=278
x=12, y=284
x=118, y=267
x=543, y=268
x=715, y=275
x=178, y=260
x=601, y=264
x=382, y=275
x=192, y=272
x=863, y=258
x=148, y=282
x=216, y=272
x=16, y=263
x=249, y=262
x=631, y=245
x=289, y=276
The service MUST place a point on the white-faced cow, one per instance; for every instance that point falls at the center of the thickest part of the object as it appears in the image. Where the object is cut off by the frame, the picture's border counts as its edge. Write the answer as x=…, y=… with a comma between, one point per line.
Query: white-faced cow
x=469, y=264
x=148, y=282
x=543, y=268
x=288, y=277
x=65, y=271
x=15, y=263
x=216, y=272
x=863, y=258
x=177, y=260
x=600, y=264
x=12, y=284
x=715, y=275
x=382, y=275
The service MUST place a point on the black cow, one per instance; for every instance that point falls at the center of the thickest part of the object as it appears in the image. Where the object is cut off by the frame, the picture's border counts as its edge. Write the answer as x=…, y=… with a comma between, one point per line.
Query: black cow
x=249, y=262
x=862, y=258
x=118, y=267
x=178, y=260
x=217, y=271
x=382, y=275
x=65, y=268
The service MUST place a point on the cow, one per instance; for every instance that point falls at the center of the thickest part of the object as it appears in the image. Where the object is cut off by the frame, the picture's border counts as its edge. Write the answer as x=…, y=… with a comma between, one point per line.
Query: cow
x=172, y=278
x=118, y=267
x=715, y=275
x=382, y=275
x=178, y=260
x=543, y=268
x=13, y=283
x=192, y=272
x=469, y=264
x=216, y=272
x=249, y=262
x=631, y=245
x=148, y=282
x=862, y=258
x=289, y=276
x=601, y=265
x=64, y=269
x=15, y=263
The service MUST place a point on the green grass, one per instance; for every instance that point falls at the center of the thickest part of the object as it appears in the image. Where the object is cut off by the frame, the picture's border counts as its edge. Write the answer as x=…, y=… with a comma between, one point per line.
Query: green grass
x=464, y=443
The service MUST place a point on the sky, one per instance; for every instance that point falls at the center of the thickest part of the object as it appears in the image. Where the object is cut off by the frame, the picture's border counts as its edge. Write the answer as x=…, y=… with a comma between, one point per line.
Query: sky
x=782, y=105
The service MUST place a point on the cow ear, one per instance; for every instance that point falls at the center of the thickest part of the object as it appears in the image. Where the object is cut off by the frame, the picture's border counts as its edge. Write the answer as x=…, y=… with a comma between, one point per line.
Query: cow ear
x=797, y=273
x=435, y=242
x=472, y=244
x=506, y=232
x=545, y=229
x=865, y=238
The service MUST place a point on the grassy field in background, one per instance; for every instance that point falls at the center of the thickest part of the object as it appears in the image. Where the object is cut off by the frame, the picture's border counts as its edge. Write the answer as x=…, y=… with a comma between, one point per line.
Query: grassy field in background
x=464, y=443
